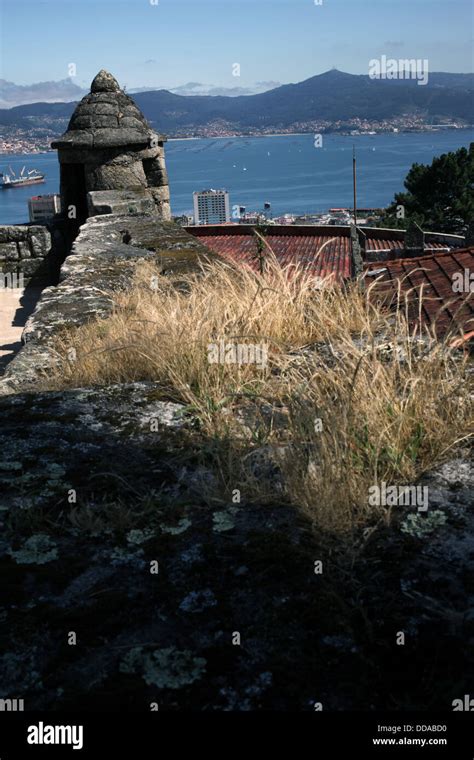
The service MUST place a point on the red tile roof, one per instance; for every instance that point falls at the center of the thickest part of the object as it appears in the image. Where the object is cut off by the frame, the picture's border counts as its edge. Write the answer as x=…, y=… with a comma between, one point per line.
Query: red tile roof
x=302, y=243
x=397, y=246
x=430, y=277
x=326, y=251
x=298, y=244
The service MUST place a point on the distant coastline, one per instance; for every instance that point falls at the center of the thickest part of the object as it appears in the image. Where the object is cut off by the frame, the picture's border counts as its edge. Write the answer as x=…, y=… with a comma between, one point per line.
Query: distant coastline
x=232, y=137
x=30, y=150
x=427, y=130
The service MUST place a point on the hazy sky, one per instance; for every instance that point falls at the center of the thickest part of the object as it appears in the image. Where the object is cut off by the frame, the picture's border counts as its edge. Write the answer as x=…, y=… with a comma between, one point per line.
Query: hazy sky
x=172, y=42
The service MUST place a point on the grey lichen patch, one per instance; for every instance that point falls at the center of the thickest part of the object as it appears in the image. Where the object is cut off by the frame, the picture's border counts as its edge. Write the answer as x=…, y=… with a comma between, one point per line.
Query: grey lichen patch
x=37, y=550
x=162, y=413
x=119, y=556
x=198, y=601
x=419, y=527
x=10, y=466
x=168, y=668
x=224, y=520
x=175, y=530
x=136, y=537
x=36, y=480
x=54, y=477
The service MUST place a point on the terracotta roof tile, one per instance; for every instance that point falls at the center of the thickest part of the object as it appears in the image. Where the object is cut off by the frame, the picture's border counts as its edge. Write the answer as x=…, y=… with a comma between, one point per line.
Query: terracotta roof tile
x=430, y=277
x=326, y=252
x=291, y=245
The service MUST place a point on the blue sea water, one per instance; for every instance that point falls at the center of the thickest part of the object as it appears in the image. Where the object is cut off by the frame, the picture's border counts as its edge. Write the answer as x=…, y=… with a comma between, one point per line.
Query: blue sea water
x=287, y=171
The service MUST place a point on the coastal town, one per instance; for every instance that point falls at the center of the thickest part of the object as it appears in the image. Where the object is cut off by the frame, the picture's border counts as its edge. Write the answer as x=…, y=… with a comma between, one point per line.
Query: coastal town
x=19, y=140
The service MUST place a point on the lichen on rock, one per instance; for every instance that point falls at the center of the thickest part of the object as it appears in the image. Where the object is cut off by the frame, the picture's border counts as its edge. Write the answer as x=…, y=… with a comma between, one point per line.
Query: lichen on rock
x=168, y=668
x=37, y=550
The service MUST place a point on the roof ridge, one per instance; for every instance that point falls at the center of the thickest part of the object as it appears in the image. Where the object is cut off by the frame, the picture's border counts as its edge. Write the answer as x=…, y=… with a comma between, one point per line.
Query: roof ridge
x=434, y=254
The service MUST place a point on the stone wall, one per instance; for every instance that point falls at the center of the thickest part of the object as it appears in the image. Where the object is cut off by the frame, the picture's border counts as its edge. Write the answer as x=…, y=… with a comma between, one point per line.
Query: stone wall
x=103, y=259
x=24, y=252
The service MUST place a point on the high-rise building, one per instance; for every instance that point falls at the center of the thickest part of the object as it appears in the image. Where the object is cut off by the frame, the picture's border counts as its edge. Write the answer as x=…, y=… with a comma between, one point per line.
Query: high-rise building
x=43, y=207
x=211, y=207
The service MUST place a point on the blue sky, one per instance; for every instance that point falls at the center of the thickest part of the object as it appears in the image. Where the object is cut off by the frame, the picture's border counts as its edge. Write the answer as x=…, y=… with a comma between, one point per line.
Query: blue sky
x=177, y=41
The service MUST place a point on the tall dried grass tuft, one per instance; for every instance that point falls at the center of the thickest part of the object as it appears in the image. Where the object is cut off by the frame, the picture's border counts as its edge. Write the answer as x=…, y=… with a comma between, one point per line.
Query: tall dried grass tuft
x=349, y=396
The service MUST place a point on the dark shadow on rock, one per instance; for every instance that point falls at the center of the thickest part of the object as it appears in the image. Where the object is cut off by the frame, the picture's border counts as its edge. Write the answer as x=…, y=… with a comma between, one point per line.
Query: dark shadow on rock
x=28, y=301
x=234, y=616
x=5, y=359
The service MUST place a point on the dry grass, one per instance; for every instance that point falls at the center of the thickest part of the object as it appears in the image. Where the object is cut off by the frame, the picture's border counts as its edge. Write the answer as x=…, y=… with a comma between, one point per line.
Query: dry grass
x=387, y=414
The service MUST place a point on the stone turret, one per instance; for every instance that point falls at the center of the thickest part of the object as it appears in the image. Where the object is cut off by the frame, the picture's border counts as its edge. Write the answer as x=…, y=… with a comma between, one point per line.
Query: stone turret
x=109, y=156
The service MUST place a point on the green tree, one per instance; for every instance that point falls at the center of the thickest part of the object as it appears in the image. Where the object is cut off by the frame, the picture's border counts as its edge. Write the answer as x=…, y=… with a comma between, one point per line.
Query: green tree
x=439, y=197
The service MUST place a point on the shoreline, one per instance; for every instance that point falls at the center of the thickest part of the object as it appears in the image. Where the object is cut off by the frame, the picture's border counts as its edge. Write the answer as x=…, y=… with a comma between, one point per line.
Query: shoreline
x=279, y=134
x=337, y=134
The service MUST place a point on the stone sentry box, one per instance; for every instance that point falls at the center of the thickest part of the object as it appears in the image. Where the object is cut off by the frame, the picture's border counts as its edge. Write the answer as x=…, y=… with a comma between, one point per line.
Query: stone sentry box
x=109, y=146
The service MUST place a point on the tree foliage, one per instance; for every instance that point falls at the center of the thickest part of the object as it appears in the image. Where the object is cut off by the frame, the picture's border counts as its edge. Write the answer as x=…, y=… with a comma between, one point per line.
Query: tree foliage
x=439, y=197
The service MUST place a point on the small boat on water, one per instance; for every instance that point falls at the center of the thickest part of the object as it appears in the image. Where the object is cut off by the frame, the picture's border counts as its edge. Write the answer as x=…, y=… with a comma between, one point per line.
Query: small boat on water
x=33, y=177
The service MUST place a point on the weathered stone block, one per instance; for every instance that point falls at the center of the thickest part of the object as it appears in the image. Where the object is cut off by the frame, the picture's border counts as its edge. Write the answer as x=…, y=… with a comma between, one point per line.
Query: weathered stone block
x=5, y=234
x=164, y=209
x=40, y=241
x=116, y=177
x=100, y=109
x=31, y=267
x=120, y=136
x=150, y=152
x=9, y=251
x=82, y=139
x=24, y=250
x=13, y=233
x=160, y=193
x=121, y=202
x=130, y=121
x=109, y=121
x=102, y=97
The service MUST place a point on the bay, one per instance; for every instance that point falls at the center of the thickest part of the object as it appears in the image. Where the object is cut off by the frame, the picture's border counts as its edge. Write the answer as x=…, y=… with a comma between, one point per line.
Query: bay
x=287, y=171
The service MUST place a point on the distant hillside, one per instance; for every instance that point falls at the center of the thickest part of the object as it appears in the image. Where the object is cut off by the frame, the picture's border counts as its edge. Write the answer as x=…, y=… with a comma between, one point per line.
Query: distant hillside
x=332, y=96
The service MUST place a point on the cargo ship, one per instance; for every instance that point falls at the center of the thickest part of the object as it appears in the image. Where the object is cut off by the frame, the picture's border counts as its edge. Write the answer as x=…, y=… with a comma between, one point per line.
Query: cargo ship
x=32, y=177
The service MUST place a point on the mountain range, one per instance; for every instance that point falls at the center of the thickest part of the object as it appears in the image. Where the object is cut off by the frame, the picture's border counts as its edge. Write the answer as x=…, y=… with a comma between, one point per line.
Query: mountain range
x=61, y=91
x=333, y=96
x=65, y=90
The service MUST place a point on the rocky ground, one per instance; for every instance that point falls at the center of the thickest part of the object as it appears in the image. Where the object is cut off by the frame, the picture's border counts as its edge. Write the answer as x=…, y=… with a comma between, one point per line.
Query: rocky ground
x=124, y=585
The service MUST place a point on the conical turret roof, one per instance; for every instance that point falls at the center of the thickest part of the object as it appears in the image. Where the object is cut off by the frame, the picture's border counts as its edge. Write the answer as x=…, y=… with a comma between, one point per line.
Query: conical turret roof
x=106, y=118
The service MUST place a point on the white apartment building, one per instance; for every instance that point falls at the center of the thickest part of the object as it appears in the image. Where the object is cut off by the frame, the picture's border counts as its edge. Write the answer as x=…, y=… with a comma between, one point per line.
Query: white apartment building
x=211, y=207
x=43, y=207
